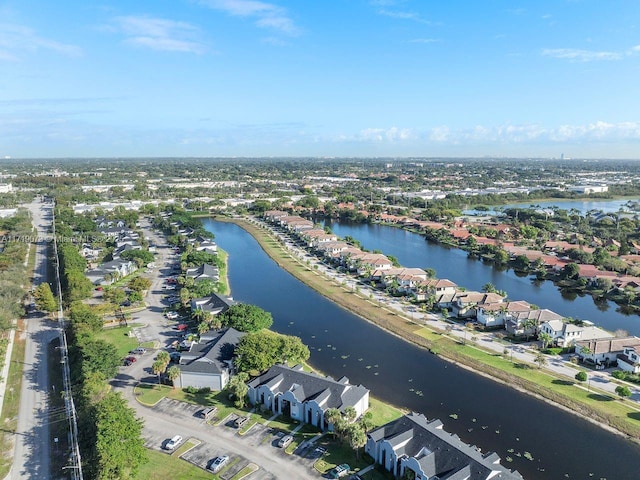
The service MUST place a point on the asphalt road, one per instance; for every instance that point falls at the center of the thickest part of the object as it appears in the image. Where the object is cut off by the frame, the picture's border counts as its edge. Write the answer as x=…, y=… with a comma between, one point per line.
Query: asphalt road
x=32, y=446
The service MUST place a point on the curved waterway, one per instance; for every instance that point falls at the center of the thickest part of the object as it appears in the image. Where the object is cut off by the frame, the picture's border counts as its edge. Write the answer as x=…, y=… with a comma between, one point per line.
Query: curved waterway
x=488, y=414
x=412, y=250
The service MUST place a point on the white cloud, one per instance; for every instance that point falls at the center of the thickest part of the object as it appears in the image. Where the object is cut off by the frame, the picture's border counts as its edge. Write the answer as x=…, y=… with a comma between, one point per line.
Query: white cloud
x=18, y=40
x=578, y=55
x=160, y=34
x=527, y=134
x=379, y=135
x=267, y=15
x=404, y=15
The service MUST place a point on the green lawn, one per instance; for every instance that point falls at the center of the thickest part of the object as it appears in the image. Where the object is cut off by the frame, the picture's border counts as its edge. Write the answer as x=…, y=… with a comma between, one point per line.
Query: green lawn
x=307, y=432
x=382, y=412
x=149, y=393
x=252, y=467
x=11, y=404
x=165, y=467
x=185, y=447
x=339, y=453
x=119, y=336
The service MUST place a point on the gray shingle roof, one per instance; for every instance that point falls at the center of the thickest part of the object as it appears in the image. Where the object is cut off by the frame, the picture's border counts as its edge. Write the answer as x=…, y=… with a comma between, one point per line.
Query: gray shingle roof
x=212, y=356
x=442, y=453
x=311, y=386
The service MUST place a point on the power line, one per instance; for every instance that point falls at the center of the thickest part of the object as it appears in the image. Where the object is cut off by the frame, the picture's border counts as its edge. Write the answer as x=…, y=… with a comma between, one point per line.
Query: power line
x=76, y=464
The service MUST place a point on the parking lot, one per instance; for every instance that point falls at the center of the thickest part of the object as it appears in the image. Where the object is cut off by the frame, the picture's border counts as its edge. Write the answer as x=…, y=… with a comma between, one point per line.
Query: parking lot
x=168, y=418
x=257, y=446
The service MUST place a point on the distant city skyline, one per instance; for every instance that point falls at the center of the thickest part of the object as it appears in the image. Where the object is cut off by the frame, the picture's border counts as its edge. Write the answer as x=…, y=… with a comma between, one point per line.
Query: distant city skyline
x=337, y=78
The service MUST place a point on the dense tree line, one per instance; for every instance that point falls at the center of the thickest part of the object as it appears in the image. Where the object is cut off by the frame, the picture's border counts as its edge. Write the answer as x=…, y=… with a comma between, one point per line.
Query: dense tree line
x=13, y=273
x=110, y=436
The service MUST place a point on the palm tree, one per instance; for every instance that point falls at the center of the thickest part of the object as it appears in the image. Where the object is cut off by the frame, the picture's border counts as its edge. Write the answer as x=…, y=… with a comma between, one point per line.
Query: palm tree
x=159, y=368
x=203, y=327
x=357, y=438
x=173, y=373
x=545, y=338
x=163, y=357
x=529, y=324
x=333, y=417
x=349, y=414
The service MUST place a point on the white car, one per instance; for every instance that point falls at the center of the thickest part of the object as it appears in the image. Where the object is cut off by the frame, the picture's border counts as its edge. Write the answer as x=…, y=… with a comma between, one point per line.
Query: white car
x=172, y=315
x=218, y=463
x=173, y=442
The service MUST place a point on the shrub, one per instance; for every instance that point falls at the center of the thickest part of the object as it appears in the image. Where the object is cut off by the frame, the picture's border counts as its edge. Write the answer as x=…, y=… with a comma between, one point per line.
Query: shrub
x=204, y=390
x=552, y=351
x=191, y=390
x=619, y=374
x=581, y=376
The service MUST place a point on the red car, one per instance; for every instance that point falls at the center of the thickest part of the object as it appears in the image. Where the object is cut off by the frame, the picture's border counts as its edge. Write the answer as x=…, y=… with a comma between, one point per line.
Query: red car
x=129, y=360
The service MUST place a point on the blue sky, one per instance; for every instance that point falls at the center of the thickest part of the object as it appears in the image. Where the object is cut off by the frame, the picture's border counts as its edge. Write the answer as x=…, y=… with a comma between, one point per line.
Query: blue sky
x=320, y=78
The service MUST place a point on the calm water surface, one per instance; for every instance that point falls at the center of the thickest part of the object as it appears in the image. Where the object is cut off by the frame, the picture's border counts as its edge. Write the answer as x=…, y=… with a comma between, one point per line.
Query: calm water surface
x=412, y=250
x=489, y=415
x=583, y=206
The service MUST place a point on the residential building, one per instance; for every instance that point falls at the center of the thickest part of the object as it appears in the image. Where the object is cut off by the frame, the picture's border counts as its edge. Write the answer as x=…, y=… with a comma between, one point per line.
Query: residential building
x=203, y=272
x=209, y=363
x=604, y=352
x=414, y=447
x=215, y=304
x=566, y=334
x=629, y=359
x=305, y=396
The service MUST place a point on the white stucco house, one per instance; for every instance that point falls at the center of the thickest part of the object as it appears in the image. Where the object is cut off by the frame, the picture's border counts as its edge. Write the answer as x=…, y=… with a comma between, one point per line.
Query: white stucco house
x=566, y=334
x=629, y=360
x=305, y=396
x=605, y=352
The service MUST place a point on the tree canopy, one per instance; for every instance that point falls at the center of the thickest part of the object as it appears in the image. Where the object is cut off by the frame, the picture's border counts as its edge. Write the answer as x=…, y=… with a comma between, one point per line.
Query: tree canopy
x=44, y=298
x=119, y=444
x=246, y=318
x=259, y=351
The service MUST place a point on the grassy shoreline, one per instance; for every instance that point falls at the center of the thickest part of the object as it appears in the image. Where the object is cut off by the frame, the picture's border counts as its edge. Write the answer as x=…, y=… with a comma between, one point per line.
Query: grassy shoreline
x=613, y=414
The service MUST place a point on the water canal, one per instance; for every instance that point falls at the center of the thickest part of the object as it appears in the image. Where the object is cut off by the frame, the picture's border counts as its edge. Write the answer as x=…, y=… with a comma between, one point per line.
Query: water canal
x=489, y=415
x=412, y=250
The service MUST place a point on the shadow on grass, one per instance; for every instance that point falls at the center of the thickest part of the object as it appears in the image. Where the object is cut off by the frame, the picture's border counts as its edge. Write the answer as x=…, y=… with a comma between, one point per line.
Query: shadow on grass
x=557, y=381
x=522, y=366
x=600, y=398
x=634, y=416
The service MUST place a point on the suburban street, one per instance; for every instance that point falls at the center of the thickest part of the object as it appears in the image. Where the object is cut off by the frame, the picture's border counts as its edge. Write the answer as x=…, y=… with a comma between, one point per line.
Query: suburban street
x=32, y=446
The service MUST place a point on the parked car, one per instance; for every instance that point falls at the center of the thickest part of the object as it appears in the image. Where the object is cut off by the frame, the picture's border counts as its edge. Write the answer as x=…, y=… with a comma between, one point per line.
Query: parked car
x=173, y=442
x=339, y=471
x=129, y=360
x=218, y=463
x=285, y=441
x=138, y=351
x=207, y=413
x=172, y=315
x=241, y=421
